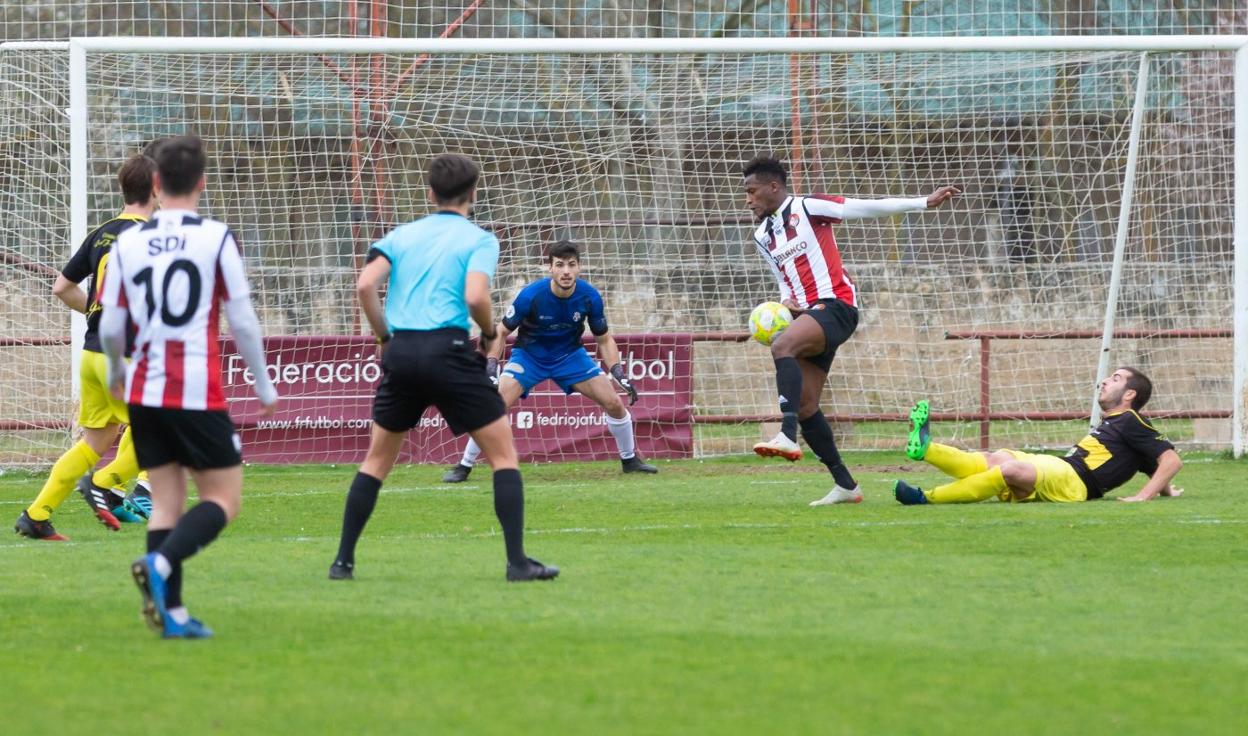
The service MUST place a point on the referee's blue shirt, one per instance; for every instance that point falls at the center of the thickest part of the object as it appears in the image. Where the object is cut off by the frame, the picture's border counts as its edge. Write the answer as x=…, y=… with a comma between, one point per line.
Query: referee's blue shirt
x=429, y=260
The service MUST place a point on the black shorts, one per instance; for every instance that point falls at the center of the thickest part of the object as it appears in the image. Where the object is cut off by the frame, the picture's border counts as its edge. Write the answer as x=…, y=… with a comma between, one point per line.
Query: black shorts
x=202, y=440
x=838, y=320
x=424, y=368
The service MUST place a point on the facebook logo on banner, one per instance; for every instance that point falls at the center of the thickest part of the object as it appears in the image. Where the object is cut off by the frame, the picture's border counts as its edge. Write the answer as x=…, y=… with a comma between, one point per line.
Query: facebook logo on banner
x=524, y=420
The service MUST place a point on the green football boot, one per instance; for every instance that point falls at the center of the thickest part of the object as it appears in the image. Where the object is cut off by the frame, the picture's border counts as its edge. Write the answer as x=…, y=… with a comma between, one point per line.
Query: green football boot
x=920, y=431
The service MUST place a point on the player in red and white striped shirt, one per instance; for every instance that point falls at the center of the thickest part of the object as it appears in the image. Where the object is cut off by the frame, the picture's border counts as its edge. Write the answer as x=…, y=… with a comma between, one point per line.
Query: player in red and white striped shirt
x=795, y=237
x=169, y=278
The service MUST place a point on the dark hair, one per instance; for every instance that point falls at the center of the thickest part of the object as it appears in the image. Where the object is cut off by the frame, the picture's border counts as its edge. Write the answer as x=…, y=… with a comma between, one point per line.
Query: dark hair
x=562, y=249
x=766, y=167
x=452, y=177
x=181, y=162
x=1140, y=384
x=135, y=179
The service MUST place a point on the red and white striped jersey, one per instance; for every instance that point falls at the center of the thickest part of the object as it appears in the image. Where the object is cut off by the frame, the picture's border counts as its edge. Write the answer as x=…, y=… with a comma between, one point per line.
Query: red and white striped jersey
x=797, y=242
x=171, y=275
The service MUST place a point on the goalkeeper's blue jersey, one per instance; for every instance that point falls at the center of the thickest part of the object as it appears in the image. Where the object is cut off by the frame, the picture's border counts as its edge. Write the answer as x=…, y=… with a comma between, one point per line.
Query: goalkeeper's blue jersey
x=550, y=327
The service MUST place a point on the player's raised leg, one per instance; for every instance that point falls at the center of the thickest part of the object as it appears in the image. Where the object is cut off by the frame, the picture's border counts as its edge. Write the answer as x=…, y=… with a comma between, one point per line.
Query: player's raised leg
x=618, y=420
x=801, y=339
x=496, y=440
x=383, y=451
x=511, y=390
x=952, y=461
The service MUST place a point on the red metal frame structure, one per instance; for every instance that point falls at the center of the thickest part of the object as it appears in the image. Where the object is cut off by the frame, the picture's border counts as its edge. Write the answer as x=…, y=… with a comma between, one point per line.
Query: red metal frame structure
x=984, y=415
x=985, y=337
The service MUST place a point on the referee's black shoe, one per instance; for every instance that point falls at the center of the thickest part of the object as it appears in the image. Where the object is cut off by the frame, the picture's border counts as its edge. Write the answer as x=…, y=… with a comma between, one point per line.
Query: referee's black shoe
x=534, y=570
x=636, y=465
x=342, y=571
x=457, y=474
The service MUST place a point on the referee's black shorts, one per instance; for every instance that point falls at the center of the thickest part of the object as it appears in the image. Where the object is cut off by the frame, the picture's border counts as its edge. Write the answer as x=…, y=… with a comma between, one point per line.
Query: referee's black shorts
x=423, y=368
x=200, y=440
x=838, y=320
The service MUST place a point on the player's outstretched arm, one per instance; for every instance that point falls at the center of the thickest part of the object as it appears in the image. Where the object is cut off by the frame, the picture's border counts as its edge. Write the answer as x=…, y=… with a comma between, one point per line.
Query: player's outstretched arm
x=942, y=195
x=609, y=351
x=1168, y=465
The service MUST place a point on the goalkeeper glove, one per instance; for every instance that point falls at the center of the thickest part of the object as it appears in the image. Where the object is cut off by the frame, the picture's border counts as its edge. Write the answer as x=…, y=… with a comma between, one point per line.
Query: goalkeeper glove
x=491, y=370
x=617, y=372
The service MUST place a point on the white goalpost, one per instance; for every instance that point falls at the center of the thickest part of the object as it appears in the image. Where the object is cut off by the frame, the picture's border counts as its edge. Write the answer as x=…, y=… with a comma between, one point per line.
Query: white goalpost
x=1105, y=198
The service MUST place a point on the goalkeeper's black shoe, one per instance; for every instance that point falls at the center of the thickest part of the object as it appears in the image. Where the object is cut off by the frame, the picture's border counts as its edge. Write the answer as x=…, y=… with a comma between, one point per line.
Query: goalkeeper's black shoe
x=457, y=474
x=43, y=530
x=533, y=570
x=342, y=571
x=636, y=465
x=100, y=500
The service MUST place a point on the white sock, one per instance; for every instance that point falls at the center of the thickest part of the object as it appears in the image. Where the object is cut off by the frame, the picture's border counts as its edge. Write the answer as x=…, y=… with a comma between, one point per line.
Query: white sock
x=162, y=566
x=622, y=431
x=180, y=615
x=471, y=453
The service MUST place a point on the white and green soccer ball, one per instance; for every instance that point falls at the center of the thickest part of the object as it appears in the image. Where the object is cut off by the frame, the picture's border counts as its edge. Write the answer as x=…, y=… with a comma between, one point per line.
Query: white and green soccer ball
x=768, y=320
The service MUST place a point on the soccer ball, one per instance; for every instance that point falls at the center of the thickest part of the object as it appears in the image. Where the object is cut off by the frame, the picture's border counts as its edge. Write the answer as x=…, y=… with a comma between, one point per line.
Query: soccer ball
x=768, y=320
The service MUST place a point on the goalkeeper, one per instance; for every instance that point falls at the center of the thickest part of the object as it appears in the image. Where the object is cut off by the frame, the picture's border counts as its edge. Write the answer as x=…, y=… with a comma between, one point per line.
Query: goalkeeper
x=1123, y=444
x=550, y=316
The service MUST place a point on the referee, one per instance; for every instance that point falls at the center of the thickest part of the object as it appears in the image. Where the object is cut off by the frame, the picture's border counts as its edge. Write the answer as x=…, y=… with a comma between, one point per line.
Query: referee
x=437, y=270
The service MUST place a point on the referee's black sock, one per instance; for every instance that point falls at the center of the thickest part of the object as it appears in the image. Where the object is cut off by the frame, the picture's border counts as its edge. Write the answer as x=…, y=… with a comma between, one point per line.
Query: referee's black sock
x=789, y=383
x=509, y=506
x=194, y=531
x=818, y=434
x=360, y=502
x=173, y=585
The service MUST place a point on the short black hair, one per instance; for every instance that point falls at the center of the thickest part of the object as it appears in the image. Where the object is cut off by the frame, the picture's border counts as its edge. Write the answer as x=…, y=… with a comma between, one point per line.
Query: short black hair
x=181, y=162
x=562, y=249
x=135, y=179
x=452, y=177
x=1140, y=384
x=766, y=167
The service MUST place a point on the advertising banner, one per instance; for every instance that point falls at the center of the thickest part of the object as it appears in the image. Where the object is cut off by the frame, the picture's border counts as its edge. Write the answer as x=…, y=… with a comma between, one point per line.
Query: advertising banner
x=327, y=385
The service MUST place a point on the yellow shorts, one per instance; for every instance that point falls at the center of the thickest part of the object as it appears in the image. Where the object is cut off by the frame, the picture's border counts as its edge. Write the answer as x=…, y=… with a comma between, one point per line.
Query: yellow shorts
x=98, y=408
x=1056, y=480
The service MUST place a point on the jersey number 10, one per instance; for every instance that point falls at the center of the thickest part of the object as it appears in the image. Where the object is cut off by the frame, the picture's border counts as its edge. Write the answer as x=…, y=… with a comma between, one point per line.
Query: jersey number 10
x=144, y=278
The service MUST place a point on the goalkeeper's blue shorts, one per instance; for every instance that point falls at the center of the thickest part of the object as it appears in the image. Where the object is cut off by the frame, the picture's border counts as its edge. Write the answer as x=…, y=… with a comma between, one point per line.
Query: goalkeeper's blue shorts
x=567, y=371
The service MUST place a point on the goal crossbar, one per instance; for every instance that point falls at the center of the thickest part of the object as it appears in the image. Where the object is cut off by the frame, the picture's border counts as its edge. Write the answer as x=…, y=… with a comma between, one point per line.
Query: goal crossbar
x=600, y=46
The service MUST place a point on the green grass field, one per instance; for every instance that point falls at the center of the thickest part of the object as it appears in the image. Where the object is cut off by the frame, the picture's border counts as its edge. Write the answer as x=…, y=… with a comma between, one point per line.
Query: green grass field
x=710, y=599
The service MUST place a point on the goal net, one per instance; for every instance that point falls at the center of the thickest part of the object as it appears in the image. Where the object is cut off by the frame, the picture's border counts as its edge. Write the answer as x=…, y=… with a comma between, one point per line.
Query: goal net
x=637, y=157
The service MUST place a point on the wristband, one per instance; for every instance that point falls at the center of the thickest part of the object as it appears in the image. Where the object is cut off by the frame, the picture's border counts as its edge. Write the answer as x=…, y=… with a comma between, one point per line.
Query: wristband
x=383, y=339
x=617, y=371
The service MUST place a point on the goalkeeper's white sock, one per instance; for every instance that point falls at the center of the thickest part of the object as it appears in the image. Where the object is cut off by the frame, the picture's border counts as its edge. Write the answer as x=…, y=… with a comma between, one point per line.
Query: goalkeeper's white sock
x=622, y=431
x=471, y=453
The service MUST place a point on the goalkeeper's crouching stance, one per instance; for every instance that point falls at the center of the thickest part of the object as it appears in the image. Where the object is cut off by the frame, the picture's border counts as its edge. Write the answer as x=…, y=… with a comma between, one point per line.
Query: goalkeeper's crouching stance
x=549, y=316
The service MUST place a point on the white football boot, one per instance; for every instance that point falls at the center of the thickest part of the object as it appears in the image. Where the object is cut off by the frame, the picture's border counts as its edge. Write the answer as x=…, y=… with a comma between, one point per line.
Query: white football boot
x=779, y=446
x=840, y=495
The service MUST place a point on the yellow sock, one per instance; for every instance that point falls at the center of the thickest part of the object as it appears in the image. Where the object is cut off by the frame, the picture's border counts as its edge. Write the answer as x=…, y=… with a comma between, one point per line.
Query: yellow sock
x=143, y=477
x=953, y=462
x=969, y=490
x=71, y=466
x=122, y=469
